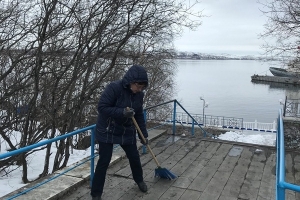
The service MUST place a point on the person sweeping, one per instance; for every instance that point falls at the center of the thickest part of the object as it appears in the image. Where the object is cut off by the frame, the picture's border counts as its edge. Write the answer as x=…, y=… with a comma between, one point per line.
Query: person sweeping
x=115, y=126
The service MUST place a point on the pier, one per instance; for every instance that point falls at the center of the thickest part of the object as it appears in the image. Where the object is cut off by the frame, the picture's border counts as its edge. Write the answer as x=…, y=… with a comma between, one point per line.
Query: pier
x=276, y=79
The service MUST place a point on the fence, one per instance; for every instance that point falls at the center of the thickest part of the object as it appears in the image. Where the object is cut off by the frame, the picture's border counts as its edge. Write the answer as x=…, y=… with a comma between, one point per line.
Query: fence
x=219, y=121
x=291, y=108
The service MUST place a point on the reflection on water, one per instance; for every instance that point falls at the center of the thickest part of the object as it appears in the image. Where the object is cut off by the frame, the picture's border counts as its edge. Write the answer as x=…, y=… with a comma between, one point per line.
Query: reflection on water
x=275, y=85
x=291, y=91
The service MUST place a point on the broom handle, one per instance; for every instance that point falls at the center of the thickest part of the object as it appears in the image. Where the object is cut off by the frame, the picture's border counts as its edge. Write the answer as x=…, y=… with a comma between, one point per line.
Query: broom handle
x=143, y=138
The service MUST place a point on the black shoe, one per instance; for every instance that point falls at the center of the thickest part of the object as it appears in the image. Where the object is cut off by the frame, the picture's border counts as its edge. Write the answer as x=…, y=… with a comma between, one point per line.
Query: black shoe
x=96, y=198
x=143, y=186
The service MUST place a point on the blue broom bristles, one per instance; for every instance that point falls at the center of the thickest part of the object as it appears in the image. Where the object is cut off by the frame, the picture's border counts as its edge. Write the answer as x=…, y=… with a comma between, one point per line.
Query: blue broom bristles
x=164, y=173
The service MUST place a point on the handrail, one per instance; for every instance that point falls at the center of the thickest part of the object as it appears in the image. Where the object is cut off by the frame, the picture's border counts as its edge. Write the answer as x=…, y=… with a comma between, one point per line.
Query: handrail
x=281, y=184
x=45, y=142
x=192, y=118
x=42, y=143
x=174, y=115
x=164, y=103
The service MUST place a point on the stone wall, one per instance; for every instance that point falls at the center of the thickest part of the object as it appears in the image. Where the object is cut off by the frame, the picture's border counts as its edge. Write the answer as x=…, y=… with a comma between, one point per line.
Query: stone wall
x=291, y=134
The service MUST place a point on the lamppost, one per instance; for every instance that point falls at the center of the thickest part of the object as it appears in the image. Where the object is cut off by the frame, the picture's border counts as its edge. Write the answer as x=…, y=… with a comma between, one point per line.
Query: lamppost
x=204, y=106
x=283, y=105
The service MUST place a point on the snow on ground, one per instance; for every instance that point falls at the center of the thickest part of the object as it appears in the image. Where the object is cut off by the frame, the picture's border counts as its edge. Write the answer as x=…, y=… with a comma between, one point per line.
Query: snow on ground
x=253, y=137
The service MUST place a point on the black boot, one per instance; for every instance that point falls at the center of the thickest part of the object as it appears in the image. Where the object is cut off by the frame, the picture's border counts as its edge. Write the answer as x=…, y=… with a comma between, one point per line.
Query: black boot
x=143, y=186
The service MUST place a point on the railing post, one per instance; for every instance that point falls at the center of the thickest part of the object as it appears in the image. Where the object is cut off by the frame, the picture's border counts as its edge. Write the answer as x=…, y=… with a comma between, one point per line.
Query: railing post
x=92, y=154
x=284, y=107
x=242, y=124
x=223, y=122
x=193, y=127
x=174, y=117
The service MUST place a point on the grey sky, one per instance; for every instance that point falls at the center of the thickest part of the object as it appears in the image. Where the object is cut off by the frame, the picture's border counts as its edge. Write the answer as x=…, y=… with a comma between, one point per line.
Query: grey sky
x=232, y=27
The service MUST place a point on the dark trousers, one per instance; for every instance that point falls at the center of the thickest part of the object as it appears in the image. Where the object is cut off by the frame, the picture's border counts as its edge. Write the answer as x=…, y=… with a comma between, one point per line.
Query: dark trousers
x=105, y=154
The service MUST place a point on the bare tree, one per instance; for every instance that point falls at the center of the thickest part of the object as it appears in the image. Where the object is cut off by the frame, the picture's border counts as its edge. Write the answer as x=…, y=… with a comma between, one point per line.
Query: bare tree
x=56, y=57
x=282, y=30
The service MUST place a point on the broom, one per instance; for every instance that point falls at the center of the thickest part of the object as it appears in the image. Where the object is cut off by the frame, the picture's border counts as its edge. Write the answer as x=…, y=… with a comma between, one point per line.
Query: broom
x=159, y=171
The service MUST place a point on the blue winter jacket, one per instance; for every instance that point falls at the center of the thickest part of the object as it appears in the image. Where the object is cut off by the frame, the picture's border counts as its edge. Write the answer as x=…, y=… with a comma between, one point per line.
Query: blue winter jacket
x=112, y=127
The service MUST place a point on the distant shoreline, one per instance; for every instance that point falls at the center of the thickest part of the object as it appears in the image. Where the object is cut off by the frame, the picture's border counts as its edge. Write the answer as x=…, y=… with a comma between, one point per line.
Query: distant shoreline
x=194, y=56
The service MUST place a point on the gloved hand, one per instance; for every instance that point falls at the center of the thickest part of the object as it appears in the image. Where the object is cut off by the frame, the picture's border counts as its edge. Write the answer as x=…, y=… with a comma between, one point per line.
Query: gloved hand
x=144, y=143
x=128, y=112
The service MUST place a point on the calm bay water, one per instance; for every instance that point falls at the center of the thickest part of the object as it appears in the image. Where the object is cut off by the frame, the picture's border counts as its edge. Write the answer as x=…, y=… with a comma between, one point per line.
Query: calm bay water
x=226, y=86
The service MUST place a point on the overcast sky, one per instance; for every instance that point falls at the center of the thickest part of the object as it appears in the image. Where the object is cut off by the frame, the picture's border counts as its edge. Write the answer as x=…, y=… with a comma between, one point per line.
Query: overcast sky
x=232, y=27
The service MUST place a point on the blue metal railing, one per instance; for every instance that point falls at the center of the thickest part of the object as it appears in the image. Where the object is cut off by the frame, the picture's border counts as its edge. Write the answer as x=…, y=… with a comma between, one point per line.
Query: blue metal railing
x=281, y=184
x=91, y=158
x=174, y=117
x=49, y=141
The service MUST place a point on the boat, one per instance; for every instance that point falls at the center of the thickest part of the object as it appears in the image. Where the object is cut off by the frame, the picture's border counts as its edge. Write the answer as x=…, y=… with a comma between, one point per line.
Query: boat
x=284, y=72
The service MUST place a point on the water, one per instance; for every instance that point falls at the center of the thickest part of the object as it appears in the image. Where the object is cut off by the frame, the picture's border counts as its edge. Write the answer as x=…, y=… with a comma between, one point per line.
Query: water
x=226, y=86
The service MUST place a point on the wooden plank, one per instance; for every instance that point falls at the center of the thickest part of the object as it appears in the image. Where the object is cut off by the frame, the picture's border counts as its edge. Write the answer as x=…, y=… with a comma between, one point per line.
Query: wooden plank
x=133, y=192
x=183, y=182
x=209, y=151
x=228, y=164
x=228, y=198
x=255, y=171
x=232, y=188
x=118, y=191
x=289, y=173
x=187, y=147
x=267, y=188
x=174, y=147
x=223, y=149
x=266, y=192
x=172, y=161
x=252, y=183
x=188, y=176
x=190, y=194
x=200, y=147
x=215, y=185
x=200, y=182
x=203, y=178
x=184, y=163
x=157, y=190
x=239, y=170
x=172, y=193
x=249, y=189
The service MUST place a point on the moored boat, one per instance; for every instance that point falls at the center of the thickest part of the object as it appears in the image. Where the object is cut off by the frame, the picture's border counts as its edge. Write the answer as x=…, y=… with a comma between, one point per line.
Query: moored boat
x=284, y=72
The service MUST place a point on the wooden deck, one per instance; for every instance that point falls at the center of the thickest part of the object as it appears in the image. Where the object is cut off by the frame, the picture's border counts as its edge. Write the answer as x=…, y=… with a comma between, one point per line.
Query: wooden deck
x=206, y=169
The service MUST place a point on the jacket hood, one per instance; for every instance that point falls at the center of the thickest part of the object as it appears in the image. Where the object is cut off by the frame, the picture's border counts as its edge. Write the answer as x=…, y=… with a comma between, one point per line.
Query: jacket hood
x=136, y=73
